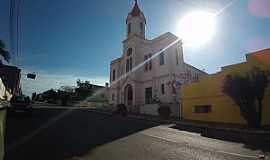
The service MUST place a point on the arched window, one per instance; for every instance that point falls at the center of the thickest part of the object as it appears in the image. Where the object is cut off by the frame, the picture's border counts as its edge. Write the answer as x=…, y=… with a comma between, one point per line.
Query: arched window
x=141, y=27
x=113, y=77
x=129, y=52
x=129, y=64
x=150, y=61
x=161, y=58
x=129, y=28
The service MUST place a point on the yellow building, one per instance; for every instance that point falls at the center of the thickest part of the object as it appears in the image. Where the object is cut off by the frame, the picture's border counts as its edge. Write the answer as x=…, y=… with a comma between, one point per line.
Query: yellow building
x=204, y=100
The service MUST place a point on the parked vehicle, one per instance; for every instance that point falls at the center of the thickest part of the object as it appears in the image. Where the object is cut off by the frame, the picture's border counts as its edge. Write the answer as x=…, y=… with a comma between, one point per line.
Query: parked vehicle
x=20, y=104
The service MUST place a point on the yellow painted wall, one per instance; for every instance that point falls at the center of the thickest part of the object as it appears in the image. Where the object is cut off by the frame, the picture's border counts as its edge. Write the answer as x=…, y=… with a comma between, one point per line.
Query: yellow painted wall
x=208, y=91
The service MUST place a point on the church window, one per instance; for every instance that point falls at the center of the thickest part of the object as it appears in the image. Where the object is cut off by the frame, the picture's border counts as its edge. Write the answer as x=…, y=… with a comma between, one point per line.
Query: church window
x=130, y=63
x=129, y=28
x=145, y=64
x=129, y=52
x=113, y=78
x=141, y=27
x=150, y=61
x=161, y=58
x=162, y=89
x=127, y=66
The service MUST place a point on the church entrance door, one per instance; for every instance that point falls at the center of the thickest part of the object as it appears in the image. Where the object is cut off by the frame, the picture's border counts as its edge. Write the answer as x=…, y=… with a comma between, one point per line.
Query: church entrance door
x=128, y=95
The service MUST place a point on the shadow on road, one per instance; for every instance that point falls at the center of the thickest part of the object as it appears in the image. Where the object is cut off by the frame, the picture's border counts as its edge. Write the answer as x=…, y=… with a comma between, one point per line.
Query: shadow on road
x=74, y=134
x=250, y=141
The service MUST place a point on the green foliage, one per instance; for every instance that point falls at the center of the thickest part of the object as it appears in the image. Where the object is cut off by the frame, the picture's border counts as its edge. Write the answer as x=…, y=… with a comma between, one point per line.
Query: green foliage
x=50, y=96
x=248, y=92
x=3, y=52
x=84, y=90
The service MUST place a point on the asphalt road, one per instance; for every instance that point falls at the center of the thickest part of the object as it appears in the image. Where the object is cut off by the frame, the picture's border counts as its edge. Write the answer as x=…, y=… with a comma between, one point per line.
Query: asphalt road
x=60, y=134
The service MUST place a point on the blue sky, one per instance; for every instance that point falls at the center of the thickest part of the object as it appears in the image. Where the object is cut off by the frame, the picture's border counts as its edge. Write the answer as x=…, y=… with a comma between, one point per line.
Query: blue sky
x=68, y=39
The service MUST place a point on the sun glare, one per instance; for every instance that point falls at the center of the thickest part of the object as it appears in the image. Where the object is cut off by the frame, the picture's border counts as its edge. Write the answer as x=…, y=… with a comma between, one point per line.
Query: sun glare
x=197, y=28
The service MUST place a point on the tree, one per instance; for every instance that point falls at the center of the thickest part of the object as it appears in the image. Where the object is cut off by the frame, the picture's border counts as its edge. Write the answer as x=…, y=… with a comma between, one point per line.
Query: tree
x=50, y=95
x=84, y=89
x=69, y=89
x=260, y=81
x=3, y=52
x=248, y=93
x=34, y=96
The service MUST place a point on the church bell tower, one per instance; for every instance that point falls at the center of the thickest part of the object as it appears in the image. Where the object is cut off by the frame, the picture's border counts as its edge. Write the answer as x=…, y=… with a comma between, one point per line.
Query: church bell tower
x=135, y=22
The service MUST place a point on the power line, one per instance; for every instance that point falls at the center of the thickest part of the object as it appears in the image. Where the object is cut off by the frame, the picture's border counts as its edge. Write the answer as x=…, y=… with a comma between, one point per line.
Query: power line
x=11, y=29
x=18, y=30
x=14, y=29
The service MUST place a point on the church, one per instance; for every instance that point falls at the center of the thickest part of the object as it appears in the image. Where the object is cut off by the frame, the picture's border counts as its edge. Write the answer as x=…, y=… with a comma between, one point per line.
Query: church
x=149, y=72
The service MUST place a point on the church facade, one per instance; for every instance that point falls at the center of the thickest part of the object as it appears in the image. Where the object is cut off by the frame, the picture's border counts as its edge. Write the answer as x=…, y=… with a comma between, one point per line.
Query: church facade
x=149, y=72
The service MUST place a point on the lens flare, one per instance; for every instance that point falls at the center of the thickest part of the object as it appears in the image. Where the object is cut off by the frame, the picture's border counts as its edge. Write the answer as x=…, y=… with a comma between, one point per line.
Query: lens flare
x=197, y=28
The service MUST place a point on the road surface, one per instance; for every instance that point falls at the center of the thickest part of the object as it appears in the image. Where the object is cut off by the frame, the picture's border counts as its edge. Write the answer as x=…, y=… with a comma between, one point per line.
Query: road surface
x=63, y=134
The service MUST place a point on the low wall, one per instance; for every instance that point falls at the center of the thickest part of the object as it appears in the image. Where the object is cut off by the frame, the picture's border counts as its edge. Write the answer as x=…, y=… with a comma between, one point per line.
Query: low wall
x=151, y=109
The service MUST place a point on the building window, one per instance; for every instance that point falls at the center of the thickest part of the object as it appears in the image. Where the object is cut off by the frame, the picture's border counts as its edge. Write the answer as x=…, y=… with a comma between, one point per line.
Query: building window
x=129, y=28
x=141, y=27
x=203, y=109
x=129, y=64
x=145, y=64
x=113, y=77
x=162, y=89
x=129, y=52
x=112, y=97
x=148, y=95
x=161, y=58
x=150, y=61
x=148, y=64
x=177, y=57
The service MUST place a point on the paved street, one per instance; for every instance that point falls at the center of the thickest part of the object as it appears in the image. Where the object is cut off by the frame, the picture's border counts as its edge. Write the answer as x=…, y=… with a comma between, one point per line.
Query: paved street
x=79, y=134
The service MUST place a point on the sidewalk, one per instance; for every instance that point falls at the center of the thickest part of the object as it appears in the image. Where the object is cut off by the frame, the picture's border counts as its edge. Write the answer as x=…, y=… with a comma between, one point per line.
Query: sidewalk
x=176, y=121
x=257, y=138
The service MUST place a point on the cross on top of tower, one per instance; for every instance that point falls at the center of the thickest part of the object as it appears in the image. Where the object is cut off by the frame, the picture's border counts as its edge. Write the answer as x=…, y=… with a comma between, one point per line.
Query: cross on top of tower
x=136, y=10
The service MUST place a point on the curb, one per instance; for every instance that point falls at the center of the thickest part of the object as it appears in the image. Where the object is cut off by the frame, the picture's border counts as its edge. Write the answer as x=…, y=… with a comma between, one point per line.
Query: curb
x=246, y=131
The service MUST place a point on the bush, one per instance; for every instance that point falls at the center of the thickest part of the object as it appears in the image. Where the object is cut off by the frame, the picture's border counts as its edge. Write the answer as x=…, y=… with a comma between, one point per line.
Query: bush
x=121, y=109
x=164, y=112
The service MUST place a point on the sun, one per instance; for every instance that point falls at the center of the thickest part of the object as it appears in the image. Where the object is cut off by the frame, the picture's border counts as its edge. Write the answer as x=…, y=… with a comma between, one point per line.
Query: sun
x=197, y=28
